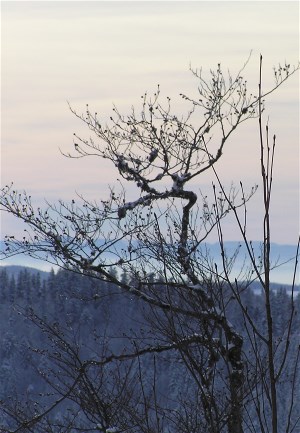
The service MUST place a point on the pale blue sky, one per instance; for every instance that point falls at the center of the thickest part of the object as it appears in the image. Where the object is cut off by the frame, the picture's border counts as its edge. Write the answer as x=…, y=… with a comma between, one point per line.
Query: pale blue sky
x=112, y=52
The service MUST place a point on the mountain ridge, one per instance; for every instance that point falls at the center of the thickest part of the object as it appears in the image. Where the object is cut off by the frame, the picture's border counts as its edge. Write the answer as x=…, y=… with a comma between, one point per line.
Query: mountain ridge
x=282, y=257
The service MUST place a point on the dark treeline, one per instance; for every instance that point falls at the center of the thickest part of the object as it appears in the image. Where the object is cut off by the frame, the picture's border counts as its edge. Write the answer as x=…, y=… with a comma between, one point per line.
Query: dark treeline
x=92, y=317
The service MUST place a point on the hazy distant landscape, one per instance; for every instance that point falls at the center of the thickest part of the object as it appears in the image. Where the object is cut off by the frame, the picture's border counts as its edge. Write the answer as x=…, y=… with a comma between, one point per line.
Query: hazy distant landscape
x=282, y=258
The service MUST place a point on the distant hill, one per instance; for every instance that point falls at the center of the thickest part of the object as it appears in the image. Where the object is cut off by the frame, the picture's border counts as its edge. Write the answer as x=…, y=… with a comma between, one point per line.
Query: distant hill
x=14, y=270
x=282, y=258
x=256, y=287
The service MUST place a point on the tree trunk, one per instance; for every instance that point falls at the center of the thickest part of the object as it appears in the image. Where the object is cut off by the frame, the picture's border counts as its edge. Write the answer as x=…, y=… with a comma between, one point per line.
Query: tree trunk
x=236, y=380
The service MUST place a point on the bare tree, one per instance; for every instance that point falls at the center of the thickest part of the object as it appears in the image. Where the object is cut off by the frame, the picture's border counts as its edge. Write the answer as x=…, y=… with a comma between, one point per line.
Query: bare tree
x=160, y=232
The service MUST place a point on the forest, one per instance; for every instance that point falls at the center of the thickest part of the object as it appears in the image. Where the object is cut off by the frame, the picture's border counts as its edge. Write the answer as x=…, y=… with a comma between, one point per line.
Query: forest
x=52, y=322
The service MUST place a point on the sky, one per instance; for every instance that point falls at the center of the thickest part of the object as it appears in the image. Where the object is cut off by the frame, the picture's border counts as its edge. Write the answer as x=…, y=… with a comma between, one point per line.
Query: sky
x=105, y=53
